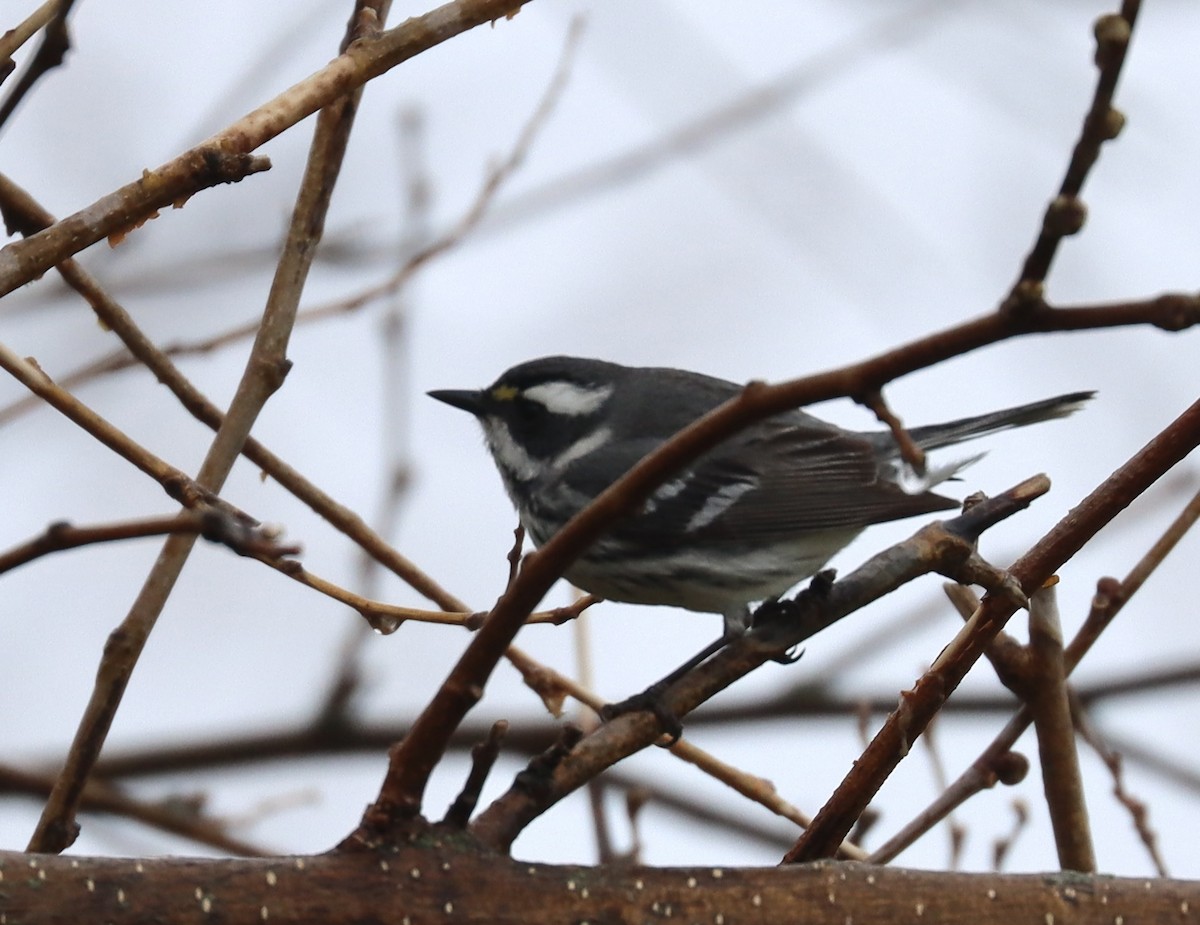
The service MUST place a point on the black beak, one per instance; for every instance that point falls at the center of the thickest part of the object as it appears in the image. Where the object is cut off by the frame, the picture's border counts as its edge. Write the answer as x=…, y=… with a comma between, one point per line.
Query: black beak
x=465, y=399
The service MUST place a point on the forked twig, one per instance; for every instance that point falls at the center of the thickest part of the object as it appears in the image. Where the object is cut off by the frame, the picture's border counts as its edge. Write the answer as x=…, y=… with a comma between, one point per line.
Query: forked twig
x=265, y=369
x=991, y=766
x=226, y=157
x=1032, y=570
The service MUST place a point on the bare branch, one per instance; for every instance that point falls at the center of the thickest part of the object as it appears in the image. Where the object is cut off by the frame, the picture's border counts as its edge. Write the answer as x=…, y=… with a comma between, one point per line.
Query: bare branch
x=14, y=38
x=994, y=763
x=1138, y=811
x=55, y=44
x=483, y=756
x=226, y=156
x=178, y=817
x=944, y=547
x=909, y=451
x=1032, y=570
x=1050, y=705
x=264, y=373
x=214, y=525
x=174, y=482
x=1066, y=213
x=453, y=879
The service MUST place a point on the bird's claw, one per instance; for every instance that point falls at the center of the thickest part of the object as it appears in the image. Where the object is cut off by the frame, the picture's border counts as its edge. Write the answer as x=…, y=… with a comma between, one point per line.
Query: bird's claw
x=788, y=657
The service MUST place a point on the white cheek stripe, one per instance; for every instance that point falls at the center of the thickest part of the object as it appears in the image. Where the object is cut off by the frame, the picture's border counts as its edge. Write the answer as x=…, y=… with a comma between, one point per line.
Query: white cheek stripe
x=719, y=503
x=567, y=398
x=581, y=447
x=509, y=454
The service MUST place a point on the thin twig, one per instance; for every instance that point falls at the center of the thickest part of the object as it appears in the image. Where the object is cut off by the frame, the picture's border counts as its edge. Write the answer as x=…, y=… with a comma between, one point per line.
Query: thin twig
x=174, y=481
x=12, y=39
x=955, y=830
x=214, y=525
x=483, y=756
x=514, y=554
x=1066, y=213
x=225, y=157
x=588, y=720
x=394, y=419
x=698, y=808
x=1009, y=658
x=758, y=789
x=1002, y=847
x=55, y=44
x=909, y=451
x=386, y=618
x=1138, y=812
x=1176, y=771
x=166, y=815
x=492, y=184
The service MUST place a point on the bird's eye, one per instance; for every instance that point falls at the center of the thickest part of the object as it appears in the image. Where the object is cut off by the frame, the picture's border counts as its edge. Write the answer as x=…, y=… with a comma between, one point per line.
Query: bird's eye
x=528, y=412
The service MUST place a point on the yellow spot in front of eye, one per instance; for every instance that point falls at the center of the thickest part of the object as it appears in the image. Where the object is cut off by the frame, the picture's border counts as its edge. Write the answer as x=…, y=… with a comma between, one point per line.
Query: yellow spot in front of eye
x=505, y=392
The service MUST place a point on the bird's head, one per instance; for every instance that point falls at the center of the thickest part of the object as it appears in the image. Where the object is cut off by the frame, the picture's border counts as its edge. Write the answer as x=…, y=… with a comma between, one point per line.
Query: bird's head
x=541, y=415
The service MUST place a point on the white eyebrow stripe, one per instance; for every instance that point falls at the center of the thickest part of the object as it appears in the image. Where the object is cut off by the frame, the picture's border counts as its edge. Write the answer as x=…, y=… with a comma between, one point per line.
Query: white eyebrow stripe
x=568, y=398
x=719, y=503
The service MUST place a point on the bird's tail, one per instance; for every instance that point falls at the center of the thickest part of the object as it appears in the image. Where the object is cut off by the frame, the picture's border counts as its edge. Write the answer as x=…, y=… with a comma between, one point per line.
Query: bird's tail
x=934, y=436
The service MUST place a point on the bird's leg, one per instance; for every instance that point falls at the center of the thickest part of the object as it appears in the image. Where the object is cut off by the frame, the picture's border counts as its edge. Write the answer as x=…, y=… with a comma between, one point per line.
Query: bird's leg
x=651, y=698
x=737, y=623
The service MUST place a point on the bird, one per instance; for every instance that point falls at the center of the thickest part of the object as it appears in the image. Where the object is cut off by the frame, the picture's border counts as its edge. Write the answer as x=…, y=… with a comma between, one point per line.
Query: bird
x=745, y=521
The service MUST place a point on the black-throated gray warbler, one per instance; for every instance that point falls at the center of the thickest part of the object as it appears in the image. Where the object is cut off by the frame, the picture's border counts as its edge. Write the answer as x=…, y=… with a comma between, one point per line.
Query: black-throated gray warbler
x=745, y=522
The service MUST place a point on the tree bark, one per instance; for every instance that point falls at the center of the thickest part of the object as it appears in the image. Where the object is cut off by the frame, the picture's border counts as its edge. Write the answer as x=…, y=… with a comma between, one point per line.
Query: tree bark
x=442, y=876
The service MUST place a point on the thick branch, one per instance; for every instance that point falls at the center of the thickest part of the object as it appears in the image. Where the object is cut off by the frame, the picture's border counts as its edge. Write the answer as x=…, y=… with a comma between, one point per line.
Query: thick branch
x=437, y=880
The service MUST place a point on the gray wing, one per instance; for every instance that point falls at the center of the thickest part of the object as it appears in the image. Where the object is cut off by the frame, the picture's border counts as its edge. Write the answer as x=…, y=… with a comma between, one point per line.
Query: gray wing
x=782, y=478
